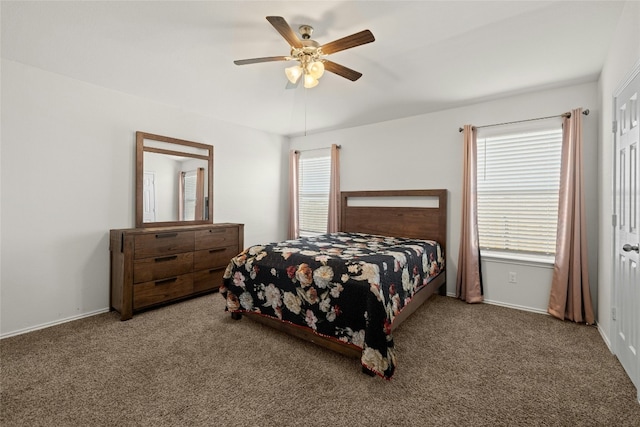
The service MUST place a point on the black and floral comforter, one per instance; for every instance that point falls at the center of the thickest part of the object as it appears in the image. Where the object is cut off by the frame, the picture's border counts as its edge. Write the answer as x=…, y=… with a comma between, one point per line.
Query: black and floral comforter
x=346, y=286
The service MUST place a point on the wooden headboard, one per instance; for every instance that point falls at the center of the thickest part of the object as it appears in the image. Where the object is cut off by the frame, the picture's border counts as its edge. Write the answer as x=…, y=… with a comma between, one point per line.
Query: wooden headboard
x=398, y=221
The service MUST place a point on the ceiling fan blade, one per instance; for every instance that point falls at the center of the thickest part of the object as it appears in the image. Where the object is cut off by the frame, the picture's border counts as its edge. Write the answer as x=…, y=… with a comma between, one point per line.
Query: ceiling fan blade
x=290, y=85
x=357, y=39
x=341, y=70
x=265, y=59
x=285, y=30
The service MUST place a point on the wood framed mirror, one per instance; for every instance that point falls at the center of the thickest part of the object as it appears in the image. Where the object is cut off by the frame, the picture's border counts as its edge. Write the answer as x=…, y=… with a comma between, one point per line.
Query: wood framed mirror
x=174, y=181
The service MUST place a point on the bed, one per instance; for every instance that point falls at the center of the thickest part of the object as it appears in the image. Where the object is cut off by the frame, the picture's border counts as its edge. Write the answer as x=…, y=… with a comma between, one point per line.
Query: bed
x=348, y=291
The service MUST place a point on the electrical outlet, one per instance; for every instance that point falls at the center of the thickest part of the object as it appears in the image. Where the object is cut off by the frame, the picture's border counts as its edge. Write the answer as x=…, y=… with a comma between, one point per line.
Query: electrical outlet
x=513, y=278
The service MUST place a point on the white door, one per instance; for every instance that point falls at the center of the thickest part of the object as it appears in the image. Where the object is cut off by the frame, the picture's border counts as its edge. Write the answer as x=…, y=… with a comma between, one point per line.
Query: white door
x=149, y=197
x=627, y=230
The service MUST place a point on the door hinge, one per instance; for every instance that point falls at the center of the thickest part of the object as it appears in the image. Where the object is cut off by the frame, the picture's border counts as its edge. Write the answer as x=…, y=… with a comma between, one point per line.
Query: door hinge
x=613, y=313
x=614, y=126
x=614, y=220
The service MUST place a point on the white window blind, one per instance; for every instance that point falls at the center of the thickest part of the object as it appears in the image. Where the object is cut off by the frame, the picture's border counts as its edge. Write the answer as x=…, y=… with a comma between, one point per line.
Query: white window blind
x=518, y=184
x=314, y=174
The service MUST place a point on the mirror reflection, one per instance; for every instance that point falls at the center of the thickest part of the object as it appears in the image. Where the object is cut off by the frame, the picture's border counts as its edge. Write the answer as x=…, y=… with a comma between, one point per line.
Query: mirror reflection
x=173, y=181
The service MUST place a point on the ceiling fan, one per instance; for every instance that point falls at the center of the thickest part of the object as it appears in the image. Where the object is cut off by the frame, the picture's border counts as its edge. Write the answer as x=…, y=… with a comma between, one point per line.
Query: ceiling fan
x=310, y=54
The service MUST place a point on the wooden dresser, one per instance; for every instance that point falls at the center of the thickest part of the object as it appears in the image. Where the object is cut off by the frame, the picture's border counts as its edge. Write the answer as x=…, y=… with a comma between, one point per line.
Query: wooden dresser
x=153, y=266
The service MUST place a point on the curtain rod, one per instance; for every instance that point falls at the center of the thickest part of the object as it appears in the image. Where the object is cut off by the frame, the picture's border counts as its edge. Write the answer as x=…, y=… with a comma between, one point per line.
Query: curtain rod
x=316, y=149
x=567, y=115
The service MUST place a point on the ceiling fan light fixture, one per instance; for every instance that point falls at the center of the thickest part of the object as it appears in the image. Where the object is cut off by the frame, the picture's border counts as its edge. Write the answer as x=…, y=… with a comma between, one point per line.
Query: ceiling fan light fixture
x=310, y=81
x=316, y=69
x=293, y=73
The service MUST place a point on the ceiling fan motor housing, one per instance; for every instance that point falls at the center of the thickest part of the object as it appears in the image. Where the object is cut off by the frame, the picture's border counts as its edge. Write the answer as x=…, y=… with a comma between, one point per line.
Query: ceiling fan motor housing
x=308, y=53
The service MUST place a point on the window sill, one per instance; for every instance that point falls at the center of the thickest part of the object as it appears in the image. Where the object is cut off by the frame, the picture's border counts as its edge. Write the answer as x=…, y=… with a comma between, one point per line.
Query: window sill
x=513, y=258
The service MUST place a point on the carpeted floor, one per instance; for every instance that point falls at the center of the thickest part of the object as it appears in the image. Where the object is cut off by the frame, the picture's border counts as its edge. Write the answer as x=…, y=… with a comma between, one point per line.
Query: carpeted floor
x=189, y=364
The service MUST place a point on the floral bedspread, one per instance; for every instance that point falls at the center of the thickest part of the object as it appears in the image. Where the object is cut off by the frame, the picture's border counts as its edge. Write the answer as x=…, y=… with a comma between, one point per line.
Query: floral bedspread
x=346, y=286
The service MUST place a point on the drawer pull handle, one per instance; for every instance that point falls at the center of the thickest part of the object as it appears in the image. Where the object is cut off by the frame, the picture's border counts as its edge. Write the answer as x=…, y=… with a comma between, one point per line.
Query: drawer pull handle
x=166, y=258
x=214, y=270
x=166, y=281
x=217, y=230
x=212, y=251
x=162, y=236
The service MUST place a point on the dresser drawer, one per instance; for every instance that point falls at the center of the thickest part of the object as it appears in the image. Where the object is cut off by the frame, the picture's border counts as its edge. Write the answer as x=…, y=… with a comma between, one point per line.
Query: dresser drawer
x=216, y=237
x=163, y=243
x=214, y=258
x=147, y=269
x=158, y=291
x=206, y=280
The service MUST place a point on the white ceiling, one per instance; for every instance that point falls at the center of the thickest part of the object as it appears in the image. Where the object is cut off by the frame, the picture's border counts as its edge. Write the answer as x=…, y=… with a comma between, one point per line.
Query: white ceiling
x=428, y=55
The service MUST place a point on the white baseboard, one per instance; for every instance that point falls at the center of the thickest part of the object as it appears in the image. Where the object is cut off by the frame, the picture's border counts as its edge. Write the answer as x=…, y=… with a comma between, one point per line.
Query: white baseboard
x=517, y=307
x=508, y=305
x=606, y=340
x=55, y=322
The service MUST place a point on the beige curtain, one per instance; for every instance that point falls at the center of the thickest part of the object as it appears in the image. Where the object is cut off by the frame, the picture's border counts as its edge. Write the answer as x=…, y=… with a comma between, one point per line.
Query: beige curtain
x=180, y=196
x=334, y=191
x=199, y=215
x=469, y=278
x=570, y=295
x=294, y=220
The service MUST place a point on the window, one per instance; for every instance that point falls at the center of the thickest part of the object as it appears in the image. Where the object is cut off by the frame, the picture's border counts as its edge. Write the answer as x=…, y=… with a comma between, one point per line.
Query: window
x=191, y=195
x=518, y=182
x=314, y=174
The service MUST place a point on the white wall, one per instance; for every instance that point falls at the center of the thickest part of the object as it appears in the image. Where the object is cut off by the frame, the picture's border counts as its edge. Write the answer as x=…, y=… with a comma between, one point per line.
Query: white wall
x=624, y=54
x=67, y=176
x=426, y=152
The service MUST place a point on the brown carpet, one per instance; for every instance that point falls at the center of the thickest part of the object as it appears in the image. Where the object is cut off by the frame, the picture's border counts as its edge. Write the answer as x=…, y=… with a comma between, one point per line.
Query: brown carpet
x=189, y=364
